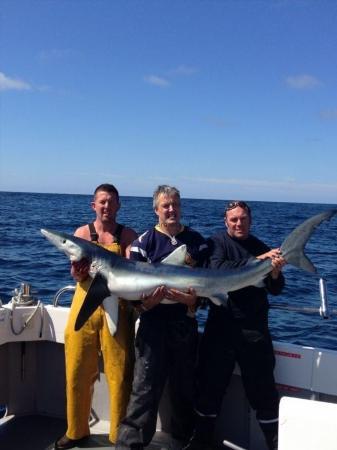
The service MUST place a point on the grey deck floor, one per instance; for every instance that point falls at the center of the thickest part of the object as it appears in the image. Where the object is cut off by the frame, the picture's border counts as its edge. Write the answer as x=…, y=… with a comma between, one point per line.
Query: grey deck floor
x=40, y=433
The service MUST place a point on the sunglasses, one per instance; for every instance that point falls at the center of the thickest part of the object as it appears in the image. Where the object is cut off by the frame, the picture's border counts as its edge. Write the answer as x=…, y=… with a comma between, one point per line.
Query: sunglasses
x=235, y=204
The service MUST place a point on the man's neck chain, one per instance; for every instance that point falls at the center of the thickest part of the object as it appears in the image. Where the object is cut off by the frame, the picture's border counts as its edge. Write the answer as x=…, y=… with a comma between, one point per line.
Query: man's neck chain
x=171, y=236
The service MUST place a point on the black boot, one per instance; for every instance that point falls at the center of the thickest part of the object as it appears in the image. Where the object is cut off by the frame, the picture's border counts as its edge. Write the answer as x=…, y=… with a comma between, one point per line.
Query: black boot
x=202, y=437
x=270, y=431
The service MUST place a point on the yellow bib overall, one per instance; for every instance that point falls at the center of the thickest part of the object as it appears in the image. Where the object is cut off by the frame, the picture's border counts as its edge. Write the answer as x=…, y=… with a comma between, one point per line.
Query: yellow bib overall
x=82, y=350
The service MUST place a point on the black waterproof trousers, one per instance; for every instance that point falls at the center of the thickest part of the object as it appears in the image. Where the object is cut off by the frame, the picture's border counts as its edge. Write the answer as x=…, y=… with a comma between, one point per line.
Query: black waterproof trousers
x=166, y=345
x=247, y=341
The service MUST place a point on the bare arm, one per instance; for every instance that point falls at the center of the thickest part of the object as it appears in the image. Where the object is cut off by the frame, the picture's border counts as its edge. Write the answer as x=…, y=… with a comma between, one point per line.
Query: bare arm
x=128, y=236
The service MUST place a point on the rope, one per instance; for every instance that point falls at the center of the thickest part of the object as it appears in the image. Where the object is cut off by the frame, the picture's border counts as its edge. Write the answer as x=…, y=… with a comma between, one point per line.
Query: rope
x=26, y=323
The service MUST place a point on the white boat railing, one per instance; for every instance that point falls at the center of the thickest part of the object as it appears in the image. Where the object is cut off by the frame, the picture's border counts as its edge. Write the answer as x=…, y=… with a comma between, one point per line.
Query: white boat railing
x=324, y=310
x=62, y=291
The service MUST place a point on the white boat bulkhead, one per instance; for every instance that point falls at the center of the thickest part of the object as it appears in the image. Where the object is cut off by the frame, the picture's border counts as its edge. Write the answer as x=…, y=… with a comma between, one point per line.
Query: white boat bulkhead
x=32, y=381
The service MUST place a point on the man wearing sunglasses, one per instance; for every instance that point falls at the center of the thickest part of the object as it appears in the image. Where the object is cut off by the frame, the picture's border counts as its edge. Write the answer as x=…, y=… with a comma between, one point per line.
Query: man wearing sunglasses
x=238, y=333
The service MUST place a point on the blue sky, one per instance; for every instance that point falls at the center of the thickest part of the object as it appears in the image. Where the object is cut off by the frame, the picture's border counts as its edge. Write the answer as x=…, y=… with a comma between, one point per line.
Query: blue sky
x=221, y=98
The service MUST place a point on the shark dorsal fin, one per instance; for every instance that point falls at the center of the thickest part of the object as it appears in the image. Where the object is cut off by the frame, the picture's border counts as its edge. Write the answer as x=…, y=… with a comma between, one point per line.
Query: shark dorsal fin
x=177, y=257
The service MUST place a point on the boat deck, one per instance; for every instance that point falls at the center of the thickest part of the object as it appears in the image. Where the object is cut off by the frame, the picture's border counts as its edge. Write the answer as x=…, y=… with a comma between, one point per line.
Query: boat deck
x=40, y=433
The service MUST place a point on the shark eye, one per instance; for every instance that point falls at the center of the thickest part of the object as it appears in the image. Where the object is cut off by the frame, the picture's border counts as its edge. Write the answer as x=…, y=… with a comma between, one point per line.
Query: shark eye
x=64, y=241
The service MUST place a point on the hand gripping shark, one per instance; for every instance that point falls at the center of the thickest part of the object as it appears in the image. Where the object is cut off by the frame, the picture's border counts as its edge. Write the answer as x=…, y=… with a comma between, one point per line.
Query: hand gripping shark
x=117, y=277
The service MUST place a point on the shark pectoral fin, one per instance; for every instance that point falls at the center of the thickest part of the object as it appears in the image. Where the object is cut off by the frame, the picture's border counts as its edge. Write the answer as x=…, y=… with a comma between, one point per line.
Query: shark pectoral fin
x=177, y=257
x=219, y=299
x=260, y=284
x=97, y=292
x=111, y=307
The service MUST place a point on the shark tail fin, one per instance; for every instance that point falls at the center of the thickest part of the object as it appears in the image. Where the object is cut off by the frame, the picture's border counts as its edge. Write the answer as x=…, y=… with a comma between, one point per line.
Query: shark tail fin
x=293, y=246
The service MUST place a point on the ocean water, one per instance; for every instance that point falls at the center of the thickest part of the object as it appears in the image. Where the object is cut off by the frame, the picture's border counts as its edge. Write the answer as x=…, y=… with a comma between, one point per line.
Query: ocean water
x=26, y=256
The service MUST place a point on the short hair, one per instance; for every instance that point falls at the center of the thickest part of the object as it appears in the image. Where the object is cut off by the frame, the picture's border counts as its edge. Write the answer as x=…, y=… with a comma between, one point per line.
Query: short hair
x=237, y=203
x=106, y=187
x=170, y=191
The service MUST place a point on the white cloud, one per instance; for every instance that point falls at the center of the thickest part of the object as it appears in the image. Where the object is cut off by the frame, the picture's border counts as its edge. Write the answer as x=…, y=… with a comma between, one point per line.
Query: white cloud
x=11, y=84
x=303, y=82
x=157, y=81
x=180, y=71
x=290, y=184
x=54, y=54
x=183, y=70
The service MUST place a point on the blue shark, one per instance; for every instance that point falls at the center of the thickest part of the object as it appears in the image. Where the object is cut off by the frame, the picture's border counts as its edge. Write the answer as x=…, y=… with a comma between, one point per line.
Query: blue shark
x=117, y=277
